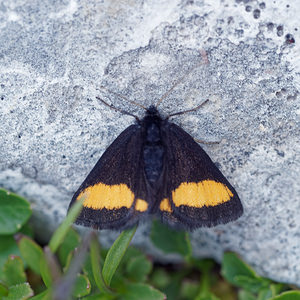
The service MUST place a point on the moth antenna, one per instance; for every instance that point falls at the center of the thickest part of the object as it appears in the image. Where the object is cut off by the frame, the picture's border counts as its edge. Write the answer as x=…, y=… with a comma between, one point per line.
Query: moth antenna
x=188, y=110
x=167, y=93
x=123, y=97
x=118, y=109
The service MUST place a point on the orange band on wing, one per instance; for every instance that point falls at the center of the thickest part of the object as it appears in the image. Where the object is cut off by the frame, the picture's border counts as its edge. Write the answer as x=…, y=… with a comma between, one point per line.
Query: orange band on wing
x=101, y=196
x=204, y=193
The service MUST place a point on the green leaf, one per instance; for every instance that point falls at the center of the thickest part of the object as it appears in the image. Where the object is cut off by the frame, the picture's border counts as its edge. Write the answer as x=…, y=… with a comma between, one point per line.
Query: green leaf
x=99, y=297
x=27, y=230
x=64, y=285
x=68, y=260
x=96, y=265
x=232, y=267
x=204, y=265
x=14, y=212
x=13, y=271
x=3, y=290
x=19, y=292
x=245, y=295
x=8, y=246
x=290, y=295
x=31, y=252
x=71, y=241
x=115, y=254
x=138, y=268
x=265, y=294
x=87, y=270
x=172, y=290
x=138, y=291
x=130, y=253
x=46, y=295
x=45, y=271
x=60, y=233
x=170, y=241
x=49, y=267
x=207, y=296
x=251, y=284
x=276, y=288
x=189, y=289
x=160, y=278
x=82, y=286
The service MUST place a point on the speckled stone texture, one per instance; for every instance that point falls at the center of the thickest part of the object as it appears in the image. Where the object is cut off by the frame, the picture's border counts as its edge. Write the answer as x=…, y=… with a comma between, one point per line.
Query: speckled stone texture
x=56, y=55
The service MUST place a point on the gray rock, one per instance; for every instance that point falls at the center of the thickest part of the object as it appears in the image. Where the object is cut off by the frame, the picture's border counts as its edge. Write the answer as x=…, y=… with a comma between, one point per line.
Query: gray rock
x=55, y=56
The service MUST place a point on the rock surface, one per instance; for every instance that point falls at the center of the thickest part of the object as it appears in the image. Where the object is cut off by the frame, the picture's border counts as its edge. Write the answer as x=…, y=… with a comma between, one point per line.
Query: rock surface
x=242, y=55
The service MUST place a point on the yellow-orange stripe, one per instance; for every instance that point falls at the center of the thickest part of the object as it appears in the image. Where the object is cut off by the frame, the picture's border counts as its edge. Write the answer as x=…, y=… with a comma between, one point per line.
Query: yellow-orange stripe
x=101, y=196
x=204, y=193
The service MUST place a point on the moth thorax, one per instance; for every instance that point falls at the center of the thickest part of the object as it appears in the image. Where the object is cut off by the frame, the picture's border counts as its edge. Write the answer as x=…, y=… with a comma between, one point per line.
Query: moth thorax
x=152, y=133
x=153, y=153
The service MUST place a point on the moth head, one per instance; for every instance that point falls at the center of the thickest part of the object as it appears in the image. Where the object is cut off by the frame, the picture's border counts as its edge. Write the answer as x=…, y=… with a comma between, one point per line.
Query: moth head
x=152, y=111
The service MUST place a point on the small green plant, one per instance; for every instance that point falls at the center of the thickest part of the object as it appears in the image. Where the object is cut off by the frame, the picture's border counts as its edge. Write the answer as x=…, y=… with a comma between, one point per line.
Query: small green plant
x=71, y=267
x=253, y=286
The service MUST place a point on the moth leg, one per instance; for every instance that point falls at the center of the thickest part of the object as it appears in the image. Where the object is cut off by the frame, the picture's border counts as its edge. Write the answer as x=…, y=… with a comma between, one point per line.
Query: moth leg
x=207, y=142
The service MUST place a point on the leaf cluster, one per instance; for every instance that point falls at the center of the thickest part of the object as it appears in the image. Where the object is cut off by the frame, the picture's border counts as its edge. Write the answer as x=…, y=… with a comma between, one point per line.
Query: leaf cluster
x=75, y=267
